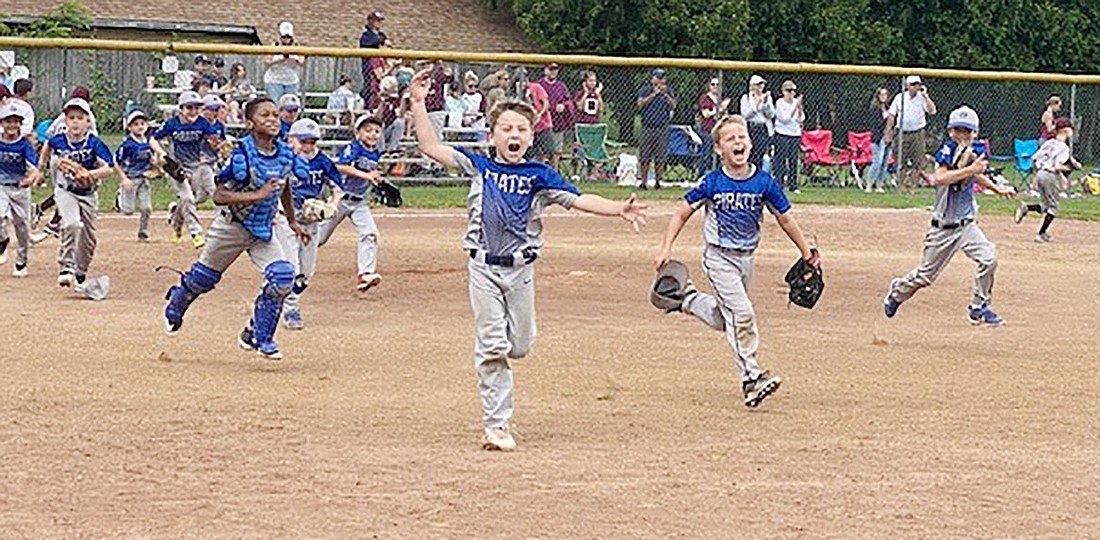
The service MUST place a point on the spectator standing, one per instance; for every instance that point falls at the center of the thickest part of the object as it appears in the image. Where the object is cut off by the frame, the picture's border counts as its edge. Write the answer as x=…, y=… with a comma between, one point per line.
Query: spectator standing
x=589, y=100
x=283, y=75
x=711, y=106
x=876, y=123
x=790, y=114
x=496, y=88
x=20, y=102
x=758, y=108
x=561, y=111
x=1046, y=122
x=544, y=123
x=5, y=76
x=656, y=102
x=914, y=105
x=372, y=38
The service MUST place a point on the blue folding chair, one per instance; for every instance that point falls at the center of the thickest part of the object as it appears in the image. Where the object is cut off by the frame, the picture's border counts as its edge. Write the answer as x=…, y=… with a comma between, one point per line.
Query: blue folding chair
x=685, y=147
x=1023, y=151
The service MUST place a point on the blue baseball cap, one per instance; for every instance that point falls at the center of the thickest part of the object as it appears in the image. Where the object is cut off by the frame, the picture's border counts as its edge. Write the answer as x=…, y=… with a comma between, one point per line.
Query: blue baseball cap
x=657, y=72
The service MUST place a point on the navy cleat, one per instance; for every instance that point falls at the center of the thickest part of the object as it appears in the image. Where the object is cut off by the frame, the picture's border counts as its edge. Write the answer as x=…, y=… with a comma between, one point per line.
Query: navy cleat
x=173, y=315
x=983, y=315
x=890, y=304
x=269, y=350
x=244, y=340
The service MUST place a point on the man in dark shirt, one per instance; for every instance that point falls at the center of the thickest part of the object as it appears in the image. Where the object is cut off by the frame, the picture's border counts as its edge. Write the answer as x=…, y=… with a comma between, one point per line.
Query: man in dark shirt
x=656, y=101
x=372, y=38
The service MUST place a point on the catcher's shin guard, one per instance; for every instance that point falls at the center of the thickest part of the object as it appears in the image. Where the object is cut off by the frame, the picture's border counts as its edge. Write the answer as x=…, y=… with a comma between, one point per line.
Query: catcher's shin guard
x=198, y=280
x=278, y=282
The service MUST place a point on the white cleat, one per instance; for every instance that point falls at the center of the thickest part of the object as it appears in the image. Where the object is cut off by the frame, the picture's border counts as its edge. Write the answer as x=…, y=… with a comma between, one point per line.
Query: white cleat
x=499, y=440
x=19, y=272
x=366, y=281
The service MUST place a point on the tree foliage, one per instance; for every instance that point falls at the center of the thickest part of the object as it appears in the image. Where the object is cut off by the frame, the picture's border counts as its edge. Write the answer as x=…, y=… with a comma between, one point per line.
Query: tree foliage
x=1042, y=35
x=60, y=22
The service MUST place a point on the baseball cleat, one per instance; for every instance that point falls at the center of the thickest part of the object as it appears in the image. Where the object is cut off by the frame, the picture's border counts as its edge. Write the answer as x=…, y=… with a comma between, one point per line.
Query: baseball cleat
x=269, y=350
x=38, y=237
x=36, y=215
x=983, y=315
x=293, y=319
x=1021, y=212
x=755, y=391
x=366, y=281
x=177, y=237
x=244, y=340
x=78, y=284
x=198, y=241
x=499, y=440
x=143, y=237
x=1042, y=238
x=890, y=305
x=65, y=279
x=172, y=323
x=171, y=211
x=52, y=229
x=20, y=271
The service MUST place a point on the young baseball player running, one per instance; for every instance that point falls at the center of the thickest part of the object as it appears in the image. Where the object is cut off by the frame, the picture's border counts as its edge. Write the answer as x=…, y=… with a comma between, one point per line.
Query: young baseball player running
x=1052, y=161
x=250, y=189
x=734, y=197
x=192, y=138
x=503, y=238
x=79, y=160
x=18, y=174
x=359, y=165
x=304, y=135
x=953, y=221
x=134, y=158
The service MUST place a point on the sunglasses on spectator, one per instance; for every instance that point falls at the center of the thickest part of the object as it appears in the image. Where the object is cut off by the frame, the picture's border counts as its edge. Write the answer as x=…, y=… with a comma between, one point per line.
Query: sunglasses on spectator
x=190, y=107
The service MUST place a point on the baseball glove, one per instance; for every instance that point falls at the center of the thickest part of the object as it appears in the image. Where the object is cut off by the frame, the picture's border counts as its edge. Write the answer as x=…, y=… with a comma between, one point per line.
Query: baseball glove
x=807, y=283
x=670, y=287
x=315, y=210
x=75, y=171
x=225, y=149
x=173, y=169
x=964, y=156
x=387, y=194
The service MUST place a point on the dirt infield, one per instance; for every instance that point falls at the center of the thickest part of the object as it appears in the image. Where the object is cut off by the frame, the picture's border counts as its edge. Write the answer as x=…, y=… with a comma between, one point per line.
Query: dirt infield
x=629, y=421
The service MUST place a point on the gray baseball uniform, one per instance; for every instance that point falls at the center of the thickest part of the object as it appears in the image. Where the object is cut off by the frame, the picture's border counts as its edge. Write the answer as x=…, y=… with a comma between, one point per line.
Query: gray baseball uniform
x=729, y=309
x=227, y=239
x=302, y=256
x=139, y=196
x=78, y=230
x=503, y=237
x=953, y=229
x=358, y=210
x=197, y=189
x=15, y=205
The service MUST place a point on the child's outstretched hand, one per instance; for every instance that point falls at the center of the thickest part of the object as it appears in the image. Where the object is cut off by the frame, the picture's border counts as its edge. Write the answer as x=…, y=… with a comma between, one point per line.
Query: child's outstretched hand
x=420, y=86
x=634, y=212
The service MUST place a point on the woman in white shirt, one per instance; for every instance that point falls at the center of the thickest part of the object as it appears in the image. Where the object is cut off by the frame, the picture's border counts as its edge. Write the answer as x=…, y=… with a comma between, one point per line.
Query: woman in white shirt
x=789, y=117
x=759, y=110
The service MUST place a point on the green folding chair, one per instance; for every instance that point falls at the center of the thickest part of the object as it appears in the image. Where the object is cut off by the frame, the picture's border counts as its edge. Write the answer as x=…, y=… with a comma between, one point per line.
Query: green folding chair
x=590, y=150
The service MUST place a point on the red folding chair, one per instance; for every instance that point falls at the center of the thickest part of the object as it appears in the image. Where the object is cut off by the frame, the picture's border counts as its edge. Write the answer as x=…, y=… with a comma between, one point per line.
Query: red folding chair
x=859, y=153
x=818, y=152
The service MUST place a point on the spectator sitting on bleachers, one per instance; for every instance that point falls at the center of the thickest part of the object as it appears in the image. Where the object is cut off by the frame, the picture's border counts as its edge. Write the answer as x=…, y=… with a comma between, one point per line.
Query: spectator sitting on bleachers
x=475, y=103
x=201, y=86
x=391, y=111
x=202, y=71
x=239, y=89
x=290, y=107
x=217, y=78
x=456, y=108
x=341, y=102
x=495, y=87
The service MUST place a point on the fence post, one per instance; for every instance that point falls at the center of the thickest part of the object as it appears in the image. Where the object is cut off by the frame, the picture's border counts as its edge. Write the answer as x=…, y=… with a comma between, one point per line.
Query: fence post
x=899, y=182
x=1073, y=112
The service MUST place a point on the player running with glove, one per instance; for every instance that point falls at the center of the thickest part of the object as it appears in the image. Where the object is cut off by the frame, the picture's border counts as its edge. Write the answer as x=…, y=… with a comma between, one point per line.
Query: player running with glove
x=250, y=187
x=503, y=238
x=734, y=197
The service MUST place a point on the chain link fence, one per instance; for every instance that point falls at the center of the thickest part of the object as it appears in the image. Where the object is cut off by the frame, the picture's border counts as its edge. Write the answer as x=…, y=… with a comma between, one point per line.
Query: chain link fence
x=594, y=122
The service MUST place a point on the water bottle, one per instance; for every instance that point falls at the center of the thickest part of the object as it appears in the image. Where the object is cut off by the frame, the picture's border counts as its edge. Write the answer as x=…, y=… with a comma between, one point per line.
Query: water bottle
x=766, y=163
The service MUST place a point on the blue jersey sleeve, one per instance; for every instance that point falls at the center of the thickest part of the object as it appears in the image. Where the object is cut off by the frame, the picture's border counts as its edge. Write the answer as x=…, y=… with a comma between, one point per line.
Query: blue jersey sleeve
x=349, y=155
x=945, y=153
x=166, y=129
x=29, y=154
x=554, y=181
x=57, y=142
x=332, y=173
x=775, y=198
x=102, y=152
x=699, y=193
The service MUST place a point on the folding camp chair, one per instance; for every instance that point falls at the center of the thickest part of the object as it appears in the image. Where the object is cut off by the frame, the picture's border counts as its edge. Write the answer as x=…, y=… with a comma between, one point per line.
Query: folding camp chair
x=818, y=152
x=859, y=153
x=1023, y=151
x=685, y=147
x=590, y=150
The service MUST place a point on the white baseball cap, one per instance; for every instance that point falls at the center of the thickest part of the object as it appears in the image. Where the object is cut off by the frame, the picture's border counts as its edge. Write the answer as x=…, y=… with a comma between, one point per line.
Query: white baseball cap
x=212, y=101
x=189, y=97
x=305, y=129
x=361, y=120
x=8, y=111
x=286, y=29
x=289, y=102
x=963, y=117
x=756, y=79
x=77, y=103
x=912, y=79
x=134, y=115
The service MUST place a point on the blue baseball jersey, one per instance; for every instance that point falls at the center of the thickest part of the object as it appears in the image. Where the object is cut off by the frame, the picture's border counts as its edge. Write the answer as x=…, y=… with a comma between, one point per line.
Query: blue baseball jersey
x=320, y=168
x=284, y=130
x=248, y=169
x=134, y=156
x=16, y=159
x=955, y=202
x=506, y=202
x=217, y=129
x=189, y=141
x=90, y=153
x=362, y=158
x=735, y=206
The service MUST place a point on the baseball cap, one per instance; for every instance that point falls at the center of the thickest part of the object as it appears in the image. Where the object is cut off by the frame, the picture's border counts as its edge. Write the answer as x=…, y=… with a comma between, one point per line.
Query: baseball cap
x=552, y=65
x=80, y=92
x=134, y=116
x=376, y=15
x=361, y=120
x=305, y=129
x=202, y=59
x=1062, y=123
x=289, y=102
x=7, y=111
x=756, y=79
x=189, y=97
x=657, y=72
x=286, y=29
x=912, y=79
x=77, y=103
x=212, y=102
x=963, y=117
